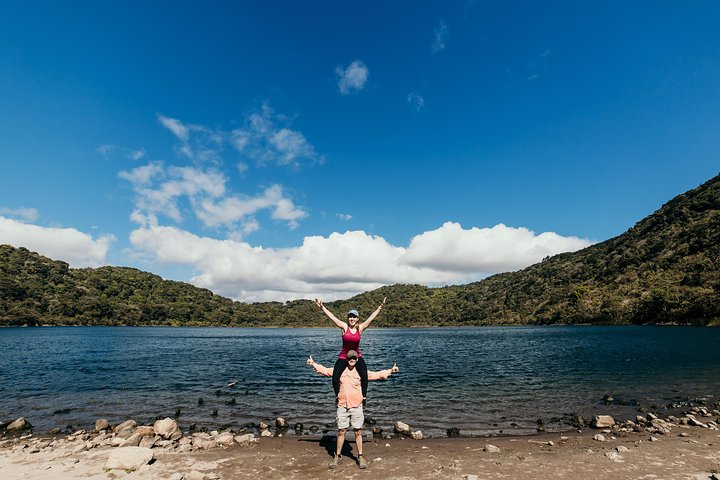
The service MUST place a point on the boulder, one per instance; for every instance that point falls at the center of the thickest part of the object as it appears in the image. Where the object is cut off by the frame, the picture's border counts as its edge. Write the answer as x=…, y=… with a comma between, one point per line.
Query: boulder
x=117, y=441
x=145, y=431
x=263, y=426
x=148, y=442
x=280, y=422
x=133, y=440
x=226, y=438
x=695, y=423
x=128, y=424
x=614, y=456
x=245, y=439
x=166, y=428
x=402, y=428
x=205, y=444
x=453, y=432
x=126, y=433
x=661, y=426
x=417, y=435
x=491, y=448
x=599, y=438
x=128, y=458
x=101, y=424
x=19, y=424
x=603, y=421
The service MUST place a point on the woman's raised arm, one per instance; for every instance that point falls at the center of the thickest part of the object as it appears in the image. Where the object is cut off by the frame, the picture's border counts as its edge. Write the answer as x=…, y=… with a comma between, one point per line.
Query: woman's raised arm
x=340, y=324
x=372, y=316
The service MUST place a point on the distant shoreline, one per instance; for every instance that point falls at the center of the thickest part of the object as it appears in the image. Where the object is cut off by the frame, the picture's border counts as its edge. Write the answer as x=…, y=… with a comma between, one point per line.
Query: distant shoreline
x=505, y=325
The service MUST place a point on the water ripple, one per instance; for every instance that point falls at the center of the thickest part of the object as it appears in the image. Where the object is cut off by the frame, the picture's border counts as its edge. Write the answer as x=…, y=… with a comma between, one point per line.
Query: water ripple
x=481, y=380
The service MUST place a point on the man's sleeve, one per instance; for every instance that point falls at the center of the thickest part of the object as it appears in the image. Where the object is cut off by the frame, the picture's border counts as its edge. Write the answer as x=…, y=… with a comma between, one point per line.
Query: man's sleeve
x=381, y=375
x=323, y=370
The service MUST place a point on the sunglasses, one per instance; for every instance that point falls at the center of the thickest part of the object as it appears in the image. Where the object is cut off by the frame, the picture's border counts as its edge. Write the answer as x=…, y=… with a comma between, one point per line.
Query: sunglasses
x=352, y=359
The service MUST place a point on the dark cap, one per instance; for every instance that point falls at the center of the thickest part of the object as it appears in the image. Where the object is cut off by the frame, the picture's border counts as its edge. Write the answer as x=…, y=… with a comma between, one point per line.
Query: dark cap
x=352, y=354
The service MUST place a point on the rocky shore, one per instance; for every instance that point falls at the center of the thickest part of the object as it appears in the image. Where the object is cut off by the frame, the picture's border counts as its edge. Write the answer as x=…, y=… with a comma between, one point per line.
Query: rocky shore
x=686, y=446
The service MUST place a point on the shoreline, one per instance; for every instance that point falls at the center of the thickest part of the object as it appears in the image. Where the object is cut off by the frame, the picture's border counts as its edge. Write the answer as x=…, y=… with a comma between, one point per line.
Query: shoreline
x=672, y=450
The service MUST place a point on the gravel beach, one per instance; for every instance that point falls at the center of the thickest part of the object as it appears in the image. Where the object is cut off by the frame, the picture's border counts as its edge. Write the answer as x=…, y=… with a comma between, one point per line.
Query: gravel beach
x=687, y=452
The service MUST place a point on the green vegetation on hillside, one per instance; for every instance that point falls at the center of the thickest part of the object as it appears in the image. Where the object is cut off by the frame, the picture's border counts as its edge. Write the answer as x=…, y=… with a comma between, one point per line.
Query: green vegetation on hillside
x=663, y=270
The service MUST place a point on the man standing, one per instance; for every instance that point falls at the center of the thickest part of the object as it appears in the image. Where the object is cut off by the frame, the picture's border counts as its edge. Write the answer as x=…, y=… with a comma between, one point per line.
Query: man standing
x=350, y=410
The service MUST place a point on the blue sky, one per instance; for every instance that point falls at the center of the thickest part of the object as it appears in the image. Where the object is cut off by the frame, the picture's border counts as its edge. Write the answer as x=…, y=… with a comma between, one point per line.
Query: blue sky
x=279, y=150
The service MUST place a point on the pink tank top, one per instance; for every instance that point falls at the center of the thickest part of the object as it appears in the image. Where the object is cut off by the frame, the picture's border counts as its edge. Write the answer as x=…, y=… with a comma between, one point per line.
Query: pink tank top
x=351, y=341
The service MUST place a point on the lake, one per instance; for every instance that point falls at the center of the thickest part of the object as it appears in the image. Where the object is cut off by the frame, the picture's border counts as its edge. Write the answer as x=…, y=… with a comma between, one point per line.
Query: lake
x=483, y=380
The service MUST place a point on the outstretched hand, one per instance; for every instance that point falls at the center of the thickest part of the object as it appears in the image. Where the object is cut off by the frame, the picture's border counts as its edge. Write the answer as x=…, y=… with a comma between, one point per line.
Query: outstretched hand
x=310, y=360
x=395, y=368
x=319, y=303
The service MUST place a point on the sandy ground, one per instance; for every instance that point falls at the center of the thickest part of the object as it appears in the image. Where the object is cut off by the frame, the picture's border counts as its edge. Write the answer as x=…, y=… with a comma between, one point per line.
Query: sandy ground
x=573, y=455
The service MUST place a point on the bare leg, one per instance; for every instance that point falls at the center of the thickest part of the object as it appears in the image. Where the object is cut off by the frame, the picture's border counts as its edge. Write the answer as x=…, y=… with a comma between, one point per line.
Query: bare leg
x=358, y=441
x=340, y=441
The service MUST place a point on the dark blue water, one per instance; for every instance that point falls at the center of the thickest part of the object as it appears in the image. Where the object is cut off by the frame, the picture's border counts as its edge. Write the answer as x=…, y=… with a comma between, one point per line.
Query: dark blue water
x=481, y=380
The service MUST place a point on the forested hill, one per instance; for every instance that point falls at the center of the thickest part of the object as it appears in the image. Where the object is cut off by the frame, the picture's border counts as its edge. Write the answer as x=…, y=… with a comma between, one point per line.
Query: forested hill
x=663, y=270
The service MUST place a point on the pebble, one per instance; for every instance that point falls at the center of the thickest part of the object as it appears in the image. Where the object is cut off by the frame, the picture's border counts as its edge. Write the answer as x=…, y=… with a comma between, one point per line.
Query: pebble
x=491, y=448
x=599, y=438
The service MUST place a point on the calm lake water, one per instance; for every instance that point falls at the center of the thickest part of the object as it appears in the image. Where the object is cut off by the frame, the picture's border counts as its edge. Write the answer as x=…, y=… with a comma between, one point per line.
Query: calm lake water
x=480, y=380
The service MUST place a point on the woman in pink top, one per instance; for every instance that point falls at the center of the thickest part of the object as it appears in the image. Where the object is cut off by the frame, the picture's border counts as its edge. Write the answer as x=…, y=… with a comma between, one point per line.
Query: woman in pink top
x=351, y=333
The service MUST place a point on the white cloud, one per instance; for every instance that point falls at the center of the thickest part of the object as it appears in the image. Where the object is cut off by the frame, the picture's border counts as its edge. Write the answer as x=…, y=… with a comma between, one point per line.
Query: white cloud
x=161, y=192
x=137, y=154
x=233, y=209
x=344, y=264
x=108, y=149
x=344, y=216
x=441, y=36
x=175, y=126
x=197, y=142
x=105, y=149
x=68, y=244
x=28, y=214
x=485, y=250
x=353, y=77
x=161, y=197
x=141, y=176
x=266, y=140
x=416, y=101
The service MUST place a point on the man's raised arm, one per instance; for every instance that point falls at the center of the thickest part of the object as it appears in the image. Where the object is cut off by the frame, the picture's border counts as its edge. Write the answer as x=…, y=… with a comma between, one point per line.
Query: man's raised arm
x=383, y=374
x=320, y=369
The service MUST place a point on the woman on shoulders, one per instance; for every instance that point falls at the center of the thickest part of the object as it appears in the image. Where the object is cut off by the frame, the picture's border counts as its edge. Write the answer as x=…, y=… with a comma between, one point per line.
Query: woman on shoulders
x=351, y=333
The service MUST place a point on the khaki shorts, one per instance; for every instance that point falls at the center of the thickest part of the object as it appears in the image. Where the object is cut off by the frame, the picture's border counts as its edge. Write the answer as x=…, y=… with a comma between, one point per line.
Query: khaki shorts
x=347, y=417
